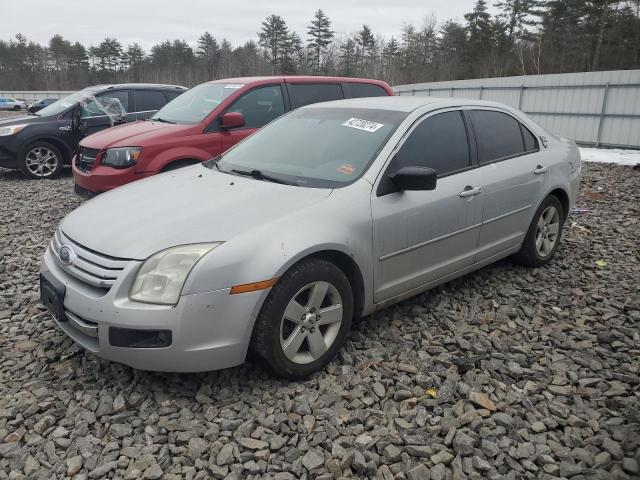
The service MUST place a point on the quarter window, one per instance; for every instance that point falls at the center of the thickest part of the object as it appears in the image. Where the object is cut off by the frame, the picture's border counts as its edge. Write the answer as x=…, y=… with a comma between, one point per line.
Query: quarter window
x=149, y=100
x=260, y=106
x=358, y=90
x=306, y=93
x=438, y=142
x=530, y=142
x=498, y=135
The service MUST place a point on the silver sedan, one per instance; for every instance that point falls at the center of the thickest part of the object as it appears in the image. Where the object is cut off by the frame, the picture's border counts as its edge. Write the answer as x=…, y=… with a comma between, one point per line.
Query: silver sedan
x=325, y=215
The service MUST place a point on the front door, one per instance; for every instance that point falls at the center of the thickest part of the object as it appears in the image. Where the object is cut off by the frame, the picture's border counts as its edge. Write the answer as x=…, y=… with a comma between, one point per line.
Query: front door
x=258, y=106
x=421, y=237
x=106, y=110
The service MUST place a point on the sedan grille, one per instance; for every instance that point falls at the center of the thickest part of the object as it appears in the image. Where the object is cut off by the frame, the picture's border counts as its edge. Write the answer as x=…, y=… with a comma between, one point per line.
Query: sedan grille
x=91, y=267
x=86, y=158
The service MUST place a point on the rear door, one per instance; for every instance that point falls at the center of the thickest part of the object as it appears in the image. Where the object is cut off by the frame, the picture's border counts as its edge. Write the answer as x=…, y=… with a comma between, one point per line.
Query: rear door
x=305, y=93
x=259, y=106
x=515, y=174
x=106, y=109
x=147, y=102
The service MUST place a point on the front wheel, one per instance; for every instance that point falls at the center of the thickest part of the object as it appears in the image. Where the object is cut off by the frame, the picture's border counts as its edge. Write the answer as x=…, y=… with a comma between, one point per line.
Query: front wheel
x=305, y=319
x=41, y=160
x=16, y=108
x=543, y=237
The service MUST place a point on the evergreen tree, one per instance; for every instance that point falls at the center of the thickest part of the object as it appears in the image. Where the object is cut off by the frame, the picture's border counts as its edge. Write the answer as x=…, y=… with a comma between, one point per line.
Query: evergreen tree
x=274, y=37
x=320, y=36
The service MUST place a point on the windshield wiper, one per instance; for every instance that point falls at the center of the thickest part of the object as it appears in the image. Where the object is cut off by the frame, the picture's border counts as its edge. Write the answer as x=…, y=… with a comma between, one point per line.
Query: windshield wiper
x=258, y=175
x=163, y=120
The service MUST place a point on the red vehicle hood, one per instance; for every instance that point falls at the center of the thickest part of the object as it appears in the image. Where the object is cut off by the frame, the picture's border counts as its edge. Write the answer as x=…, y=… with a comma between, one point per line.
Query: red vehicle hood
x=137, y=134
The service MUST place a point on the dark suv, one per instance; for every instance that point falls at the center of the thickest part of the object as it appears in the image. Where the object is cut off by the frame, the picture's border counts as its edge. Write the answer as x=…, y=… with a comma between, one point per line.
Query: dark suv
x=41, y=143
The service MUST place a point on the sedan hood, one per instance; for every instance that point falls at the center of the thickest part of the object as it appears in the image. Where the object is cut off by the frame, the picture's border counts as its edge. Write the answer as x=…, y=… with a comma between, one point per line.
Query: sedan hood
x=5, y=122
x=137, y=134
x=190, y=205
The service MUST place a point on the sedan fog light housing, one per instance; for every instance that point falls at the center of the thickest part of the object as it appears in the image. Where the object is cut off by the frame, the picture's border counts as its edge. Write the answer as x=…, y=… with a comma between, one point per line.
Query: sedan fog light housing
x=162, y=276
x=121, y=157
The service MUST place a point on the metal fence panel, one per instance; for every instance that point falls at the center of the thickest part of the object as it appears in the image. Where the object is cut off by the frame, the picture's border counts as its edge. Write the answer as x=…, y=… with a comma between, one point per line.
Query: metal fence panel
x=33, y=96
x=593, y=108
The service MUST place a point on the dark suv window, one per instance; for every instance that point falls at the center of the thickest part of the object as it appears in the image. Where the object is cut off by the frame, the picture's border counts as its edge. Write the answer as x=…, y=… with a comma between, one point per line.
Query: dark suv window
x=499, y=135
x=358, y=90
x=306, y=93
x=170, y=95
x=149, y=100
x=109, y=103
x=259, y=106
x=438, y=142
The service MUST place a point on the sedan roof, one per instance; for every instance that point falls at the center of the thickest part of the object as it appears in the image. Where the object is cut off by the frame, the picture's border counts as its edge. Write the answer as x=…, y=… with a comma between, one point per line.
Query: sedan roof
x=403, y=103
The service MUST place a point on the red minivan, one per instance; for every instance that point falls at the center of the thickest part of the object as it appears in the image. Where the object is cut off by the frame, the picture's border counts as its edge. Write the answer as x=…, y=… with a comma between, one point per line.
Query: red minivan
x=200, y=124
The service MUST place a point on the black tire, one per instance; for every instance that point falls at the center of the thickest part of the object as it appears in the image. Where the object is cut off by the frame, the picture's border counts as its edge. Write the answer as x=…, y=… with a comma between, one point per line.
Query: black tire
x=528, y=255
x=16, y=108
x=27, y=155
x=266, y=337
x=179, y=164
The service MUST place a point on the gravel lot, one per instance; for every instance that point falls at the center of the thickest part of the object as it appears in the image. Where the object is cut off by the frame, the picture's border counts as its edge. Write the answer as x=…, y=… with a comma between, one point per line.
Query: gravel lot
x=535, y=374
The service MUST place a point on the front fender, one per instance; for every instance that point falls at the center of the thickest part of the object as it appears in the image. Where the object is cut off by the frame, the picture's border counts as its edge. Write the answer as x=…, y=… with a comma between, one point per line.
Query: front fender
x=165, y=157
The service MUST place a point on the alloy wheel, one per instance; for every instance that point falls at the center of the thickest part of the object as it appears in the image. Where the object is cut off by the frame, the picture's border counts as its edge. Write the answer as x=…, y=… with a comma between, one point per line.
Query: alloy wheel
x=311, y=322
x=41, y=162
x=547, y=231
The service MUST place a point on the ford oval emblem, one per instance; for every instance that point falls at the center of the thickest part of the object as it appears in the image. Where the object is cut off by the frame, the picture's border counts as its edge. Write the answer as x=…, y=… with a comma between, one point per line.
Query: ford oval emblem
x=66, y=255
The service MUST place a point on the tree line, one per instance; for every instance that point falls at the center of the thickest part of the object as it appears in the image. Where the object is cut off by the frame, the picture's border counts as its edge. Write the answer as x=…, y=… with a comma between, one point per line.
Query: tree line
x=524, y=37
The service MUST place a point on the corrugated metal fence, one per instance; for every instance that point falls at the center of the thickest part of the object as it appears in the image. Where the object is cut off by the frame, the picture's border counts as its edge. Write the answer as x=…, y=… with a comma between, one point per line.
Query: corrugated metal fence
x=593, y=108
x=32, y=96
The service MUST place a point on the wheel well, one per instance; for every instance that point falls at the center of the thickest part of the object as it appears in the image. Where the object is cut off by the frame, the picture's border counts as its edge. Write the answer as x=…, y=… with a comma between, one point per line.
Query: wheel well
x=64, y=150
x=350, y=268
x=561, y=195
x=183, y=162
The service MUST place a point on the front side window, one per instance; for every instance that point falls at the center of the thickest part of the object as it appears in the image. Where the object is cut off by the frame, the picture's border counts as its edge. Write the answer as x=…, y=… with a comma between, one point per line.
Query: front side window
x=498, y=135
x=307, y=93
x=111, y=104
x=194, y=105
x=315, y=147
x=259, y=106
x=438, y=142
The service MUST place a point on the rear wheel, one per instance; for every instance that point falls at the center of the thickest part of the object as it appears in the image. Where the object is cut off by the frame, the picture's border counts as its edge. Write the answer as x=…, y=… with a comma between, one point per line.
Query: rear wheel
x=16, y=108
x=41, y=160
x=543, y=237
x=305, y=319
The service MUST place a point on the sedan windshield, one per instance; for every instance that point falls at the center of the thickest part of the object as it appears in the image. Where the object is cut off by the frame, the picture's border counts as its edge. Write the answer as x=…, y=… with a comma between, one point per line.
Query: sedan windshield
x=56, y=108
x=194, y=105
x=314, y=147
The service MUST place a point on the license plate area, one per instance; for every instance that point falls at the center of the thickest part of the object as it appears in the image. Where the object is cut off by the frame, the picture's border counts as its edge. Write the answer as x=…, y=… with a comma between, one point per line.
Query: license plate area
x=52, y=295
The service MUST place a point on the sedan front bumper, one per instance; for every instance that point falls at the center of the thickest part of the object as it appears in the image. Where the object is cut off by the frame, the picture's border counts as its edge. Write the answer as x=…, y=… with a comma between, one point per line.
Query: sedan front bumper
x=207, y=331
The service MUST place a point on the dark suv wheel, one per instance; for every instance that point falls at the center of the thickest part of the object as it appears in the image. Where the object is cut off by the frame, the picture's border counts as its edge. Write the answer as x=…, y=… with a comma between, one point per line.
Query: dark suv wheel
x=41, y=160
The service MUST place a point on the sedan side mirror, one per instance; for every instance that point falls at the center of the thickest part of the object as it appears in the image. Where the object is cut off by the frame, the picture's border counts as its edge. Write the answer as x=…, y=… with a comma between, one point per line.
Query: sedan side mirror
x=232, y=120
x=415, y=178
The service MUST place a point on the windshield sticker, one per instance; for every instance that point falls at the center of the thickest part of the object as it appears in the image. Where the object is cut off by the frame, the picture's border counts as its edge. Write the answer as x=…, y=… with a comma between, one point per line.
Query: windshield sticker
x=346, y=169
x=365, y=125
x=235, y=86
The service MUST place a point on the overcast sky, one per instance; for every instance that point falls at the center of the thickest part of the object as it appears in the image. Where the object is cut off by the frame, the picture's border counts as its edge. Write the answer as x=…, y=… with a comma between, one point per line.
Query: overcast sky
x=150, y=21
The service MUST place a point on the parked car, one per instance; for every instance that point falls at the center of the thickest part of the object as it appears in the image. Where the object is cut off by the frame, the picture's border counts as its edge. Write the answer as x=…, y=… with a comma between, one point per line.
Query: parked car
x=11, y=104
x=42, y=143
x=331, y=212
x=201, y=124
x=40, y=104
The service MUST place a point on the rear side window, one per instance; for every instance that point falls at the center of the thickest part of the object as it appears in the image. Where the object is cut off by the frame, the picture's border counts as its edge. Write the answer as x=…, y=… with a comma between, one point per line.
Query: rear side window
x=149, y=100
x=498, y=135
x=305, y=93
x=358, y=90
x=170, y=95
x=438, y=142
x=260, y=106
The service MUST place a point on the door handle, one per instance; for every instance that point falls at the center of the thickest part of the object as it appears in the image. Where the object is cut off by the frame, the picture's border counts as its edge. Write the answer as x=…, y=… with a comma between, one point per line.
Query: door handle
x=540, y=169
x=470, y=191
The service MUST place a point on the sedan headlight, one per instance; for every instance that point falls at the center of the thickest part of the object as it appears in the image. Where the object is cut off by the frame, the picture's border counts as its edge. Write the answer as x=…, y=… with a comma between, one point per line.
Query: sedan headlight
x=10, y=130
x=162, y=276
x=121, y=157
